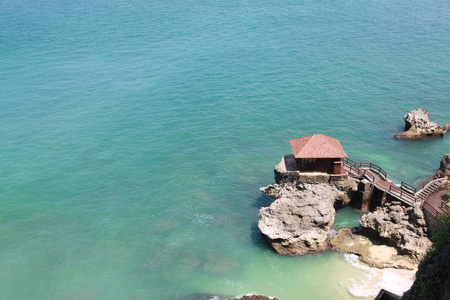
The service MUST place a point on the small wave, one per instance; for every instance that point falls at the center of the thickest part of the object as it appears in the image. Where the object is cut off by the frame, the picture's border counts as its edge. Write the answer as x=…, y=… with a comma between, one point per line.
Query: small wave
x=368, y=281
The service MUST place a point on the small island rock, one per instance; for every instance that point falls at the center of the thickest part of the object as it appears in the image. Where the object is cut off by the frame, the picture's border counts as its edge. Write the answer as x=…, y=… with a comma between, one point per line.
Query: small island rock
x=418, y=125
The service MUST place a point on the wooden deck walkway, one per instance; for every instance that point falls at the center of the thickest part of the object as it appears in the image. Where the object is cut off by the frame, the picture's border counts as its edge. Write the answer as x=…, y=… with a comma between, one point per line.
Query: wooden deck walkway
x=425, y=193
x=435, y=202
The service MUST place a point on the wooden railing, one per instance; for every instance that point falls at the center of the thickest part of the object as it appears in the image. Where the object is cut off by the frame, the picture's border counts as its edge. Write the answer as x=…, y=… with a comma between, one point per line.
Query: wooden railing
x=399, y=188
x=424, y=184
x=366, y=165
x=443, y=186
x=405, y=194
x=445, y=207
x=432, y=210
x=404, y=186
x=369, y=176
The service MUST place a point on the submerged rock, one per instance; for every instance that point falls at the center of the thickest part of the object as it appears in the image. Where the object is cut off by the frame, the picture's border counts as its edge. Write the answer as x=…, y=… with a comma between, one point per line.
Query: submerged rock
x=418, y=125
x=401, y=227
x=254, y=297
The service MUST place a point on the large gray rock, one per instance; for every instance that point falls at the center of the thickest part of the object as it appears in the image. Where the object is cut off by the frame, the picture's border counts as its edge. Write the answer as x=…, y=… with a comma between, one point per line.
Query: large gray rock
x=301, y=219
x=401, y=227
x=445, y=166
x=418, y=125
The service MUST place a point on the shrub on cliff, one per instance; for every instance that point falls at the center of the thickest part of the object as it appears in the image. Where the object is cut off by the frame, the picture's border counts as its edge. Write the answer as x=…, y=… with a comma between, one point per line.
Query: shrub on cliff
x=433, y=276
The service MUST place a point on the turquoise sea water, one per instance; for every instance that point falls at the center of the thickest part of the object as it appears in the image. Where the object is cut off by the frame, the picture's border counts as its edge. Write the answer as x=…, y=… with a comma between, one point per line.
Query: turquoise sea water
x=135, y=135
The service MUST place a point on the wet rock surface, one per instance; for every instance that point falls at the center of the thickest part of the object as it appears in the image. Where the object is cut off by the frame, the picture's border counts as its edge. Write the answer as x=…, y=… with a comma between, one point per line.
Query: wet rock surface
x=370, y=252
x=401, y=227
x=418, y=125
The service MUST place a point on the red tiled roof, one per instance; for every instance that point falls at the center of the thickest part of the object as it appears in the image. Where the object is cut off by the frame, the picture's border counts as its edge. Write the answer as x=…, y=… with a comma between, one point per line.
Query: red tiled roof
x=317, y=146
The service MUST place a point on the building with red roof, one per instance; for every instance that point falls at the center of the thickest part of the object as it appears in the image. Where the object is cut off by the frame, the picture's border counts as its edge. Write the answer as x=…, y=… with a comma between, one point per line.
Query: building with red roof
x=318, y=153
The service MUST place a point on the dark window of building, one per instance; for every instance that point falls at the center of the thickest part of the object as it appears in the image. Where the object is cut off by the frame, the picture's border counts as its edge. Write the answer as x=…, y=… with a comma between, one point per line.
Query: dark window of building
x=308, y=164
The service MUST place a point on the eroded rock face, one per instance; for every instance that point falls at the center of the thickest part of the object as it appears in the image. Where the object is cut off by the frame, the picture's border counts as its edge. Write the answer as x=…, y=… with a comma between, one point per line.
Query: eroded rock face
x=401, y=227
x=445, y=166
x=379, y=256
x=418, y=125
x=301, y=218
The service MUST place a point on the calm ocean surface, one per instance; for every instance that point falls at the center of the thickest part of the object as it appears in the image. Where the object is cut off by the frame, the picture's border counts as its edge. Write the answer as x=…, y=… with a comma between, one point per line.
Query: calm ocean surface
x=135, y=135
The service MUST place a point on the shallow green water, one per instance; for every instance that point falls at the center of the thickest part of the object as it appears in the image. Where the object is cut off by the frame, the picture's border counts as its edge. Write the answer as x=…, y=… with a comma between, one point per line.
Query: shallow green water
x=135, y=135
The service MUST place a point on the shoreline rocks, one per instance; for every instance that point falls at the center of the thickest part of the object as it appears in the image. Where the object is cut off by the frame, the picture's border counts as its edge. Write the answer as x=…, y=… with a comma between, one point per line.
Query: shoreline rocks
x=403, y=228
x=373, y=254
x=301, y=218
x=418, y=125
x=300, y=221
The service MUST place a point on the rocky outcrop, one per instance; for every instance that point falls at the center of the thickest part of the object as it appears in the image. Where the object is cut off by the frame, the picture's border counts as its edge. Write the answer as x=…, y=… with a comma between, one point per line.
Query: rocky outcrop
x=373, y=254
x=418, y=125
x=445, y=166
x=401, y=227
x=299, y=221
x=301, y=218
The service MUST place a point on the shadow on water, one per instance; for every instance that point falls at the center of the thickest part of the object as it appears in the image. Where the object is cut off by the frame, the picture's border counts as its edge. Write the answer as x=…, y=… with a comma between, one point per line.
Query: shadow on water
x=255, y=234
x=257, y=238
x=262, y=201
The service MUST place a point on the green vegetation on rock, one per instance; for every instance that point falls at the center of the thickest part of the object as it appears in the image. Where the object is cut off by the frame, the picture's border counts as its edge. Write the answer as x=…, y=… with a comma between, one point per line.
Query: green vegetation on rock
x=433, y=276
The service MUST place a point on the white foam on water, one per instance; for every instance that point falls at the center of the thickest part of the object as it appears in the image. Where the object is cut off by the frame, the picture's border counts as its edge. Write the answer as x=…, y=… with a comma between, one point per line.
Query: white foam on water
x=368, y=281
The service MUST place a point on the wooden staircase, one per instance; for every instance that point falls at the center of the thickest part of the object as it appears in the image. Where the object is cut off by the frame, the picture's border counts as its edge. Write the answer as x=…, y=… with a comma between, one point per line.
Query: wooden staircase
x=429, y=188
x=401, y=190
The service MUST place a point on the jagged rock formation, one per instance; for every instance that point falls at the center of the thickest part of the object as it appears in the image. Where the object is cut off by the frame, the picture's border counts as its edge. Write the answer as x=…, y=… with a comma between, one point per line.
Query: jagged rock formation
x=301, y=218
x=401, y=227
x=300, y=221
x=445, y=166
x=373, y=254
x=418, y=125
